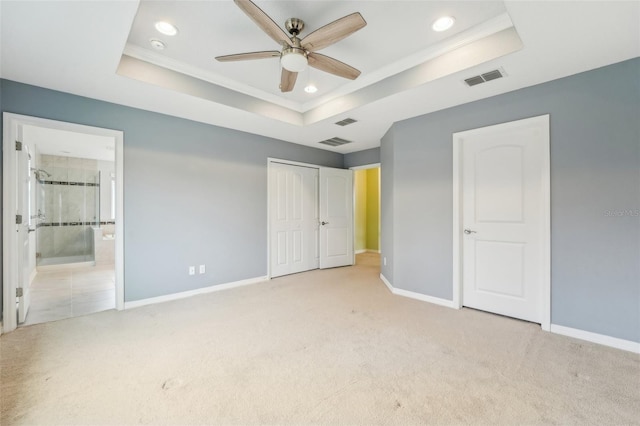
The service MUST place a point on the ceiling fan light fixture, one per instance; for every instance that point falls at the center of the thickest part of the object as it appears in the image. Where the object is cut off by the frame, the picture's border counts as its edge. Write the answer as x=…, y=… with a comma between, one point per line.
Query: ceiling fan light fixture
x=166, y=28
x=294, y=59
x=443, y=23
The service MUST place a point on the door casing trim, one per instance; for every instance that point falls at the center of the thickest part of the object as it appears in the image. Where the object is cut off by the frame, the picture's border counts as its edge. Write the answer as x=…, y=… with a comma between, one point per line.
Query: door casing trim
x=9, y=238
x=542, y=122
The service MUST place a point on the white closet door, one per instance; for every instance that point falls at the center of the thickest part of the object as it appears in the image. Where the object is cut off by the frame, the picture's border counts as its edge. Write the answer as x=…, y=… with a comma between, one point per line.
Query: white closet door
x=293, y=219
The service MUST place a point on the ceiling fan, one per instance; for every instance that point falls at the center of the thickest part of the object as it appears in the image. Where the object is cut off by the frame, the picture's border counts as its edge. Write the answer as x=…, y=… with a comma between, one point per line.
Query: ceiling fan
x=297, y=53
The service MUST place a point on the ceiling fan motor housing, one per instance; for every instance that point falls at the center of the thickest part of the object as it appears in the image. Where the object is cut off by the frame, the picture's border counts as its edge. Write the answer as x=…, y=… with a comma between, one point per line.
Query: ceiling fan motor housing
x=294, y=26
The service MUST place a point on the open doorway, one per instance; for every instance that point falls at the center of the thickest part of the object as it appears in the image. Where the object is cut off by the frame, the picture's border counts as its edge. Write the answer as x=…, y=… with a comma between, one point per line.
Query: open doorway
x=367, y=213
x=63, y=249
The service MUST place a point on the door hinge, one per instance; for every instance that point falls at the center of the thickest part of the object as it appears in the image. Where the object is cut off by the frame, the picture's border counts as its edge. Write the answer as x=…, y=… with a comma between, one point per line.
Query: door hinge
x=18, y=219
x=18, y=146
x=19, y=292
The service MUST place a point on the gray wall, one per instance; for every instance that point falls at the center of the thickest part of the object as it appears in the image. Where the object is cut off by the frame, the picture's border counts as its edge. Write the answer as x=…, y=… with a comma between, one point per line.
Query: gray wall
x=387, y=205
x=362, y=158
x=595, y=169
x=193, y=193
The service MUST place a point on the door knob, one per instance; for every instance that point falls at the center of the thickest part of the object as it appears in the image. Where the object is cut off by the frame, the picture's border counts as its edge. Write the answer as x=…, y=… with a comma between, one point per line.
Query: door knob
x=469, y=231
x=324, y=223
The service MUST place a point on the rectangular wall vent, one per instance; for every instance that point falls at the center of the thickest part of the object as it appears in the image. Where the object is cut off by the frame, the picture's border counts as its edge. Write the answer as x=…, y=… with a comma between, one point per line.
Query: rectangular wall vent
x=483, y=78
x=346, y=122
x=336, y=141
x=474, y=80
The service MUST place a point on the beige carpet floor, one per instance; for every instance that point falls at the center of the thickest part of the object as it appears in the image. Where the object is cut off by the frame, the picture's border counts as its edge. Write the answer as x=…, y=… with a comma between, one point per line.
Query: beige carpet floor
x=327, y=347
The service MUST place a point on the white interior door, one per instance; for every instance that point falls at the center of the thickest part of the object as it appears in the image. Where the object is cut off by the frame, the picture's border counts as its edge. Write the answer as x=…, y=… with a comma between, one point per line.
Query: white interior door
x=503, y=217
x=336, y=217
x=293, y=219
x=23, y=180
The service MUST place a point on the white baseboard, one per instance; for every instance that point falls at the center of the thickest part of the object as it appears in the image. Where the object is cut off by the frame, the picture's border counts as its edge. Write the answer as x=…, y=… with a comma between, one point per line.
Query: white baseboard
x=614, y=342
x=182, y=295
x=386, y=282
x=373, y=251
x=417, y=296
x=360, y=251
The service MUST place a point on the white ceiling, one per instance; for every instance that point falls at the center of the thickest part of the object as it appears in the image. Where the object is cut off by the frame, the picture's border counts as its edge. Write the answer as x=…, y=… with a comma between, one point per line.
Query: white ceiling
x=407, y=69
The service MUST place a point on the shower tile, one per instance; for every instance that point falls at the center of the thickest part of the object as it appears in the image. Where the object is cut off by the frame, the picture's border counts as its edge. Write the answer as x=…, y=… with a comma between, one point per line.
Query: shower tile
x=59, y=240
x=58, y=174
x=74, y=163
x=58, y=201
x=74, y=244
x=90, y=204
x=48, y=203
x=75, y=204
x=89, y=164
x=70, y=243
x=60, y=162
x=46, y=161
x=45, y=241
x=75, y=175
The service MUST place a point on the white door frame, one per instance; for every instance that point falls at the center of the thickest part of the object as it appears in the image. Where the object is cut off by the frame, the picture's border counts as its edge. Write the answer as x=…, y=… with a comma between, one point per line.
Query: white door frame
x=545, y=206
x=11, y=122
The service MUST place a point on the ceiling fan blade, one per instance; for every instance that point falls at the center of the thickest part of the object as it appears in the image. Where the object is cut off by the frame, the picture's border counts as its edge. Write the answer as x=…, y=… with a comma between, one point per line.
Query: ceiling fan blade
x=287, y=80
x=249, y=56
x=264, y=22
x=333, y=32
x=332, y=66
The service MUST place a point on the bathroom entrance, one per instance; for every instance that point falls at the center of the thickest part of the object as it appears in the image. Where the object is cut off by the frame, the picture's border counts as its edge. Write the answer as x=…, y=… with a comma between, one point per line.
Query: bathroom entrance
x=69, y=184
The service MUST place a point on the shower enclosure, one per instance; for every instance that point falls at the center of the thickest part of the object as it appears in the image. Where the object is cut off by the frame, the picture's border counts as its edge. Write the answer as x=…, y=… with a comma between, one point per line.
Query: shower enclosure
x=67, y=206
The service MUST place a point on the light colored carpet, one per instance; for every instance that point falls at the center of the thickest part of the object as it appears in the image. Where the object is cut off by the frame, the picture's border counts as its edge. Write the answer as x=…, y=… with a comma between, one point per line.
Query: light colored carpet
x=329, y=347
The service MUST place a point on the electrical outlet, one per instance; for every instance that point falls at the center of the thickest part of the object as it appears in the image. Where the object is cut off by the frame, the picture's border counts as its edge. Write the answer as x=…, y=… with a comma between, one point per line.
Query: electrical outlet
x=192, y=270
x=202, y=269
x=384, y=261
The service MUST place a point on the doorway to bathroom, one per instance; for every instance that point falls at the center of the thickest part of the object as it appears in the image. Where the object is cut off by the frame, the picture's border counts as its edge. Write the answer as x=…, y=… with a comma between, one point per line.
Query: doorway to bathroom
x=62, y=220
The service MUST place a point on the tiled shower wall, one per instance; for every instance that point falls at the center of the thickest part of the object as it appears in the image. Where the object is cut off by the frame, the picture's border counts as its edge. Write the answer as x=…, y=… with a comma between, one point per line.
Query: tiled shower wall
x=67, y=202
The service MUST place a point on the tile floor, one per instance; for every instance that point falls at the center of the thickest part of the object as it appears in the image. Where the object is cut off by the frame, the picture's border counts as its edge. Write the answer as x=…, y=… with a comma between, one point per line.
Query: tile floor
x=60, y=292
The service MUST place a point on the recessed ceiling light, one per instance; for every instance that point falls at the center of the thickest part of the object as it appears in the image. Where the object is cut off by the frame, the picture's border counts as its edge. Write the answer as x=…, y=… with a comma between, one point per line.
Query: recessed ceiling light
x=157, y=44
x=311, y=89
x=166, y=28
x=443, y=24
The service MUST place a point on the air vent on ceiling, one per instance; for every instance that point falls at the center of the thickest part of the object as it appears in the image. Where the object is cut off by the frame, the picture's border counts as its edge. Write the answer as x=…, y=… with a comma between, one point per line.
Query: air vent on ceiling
x=483, y=78
x=335, y=141
x=346, y=122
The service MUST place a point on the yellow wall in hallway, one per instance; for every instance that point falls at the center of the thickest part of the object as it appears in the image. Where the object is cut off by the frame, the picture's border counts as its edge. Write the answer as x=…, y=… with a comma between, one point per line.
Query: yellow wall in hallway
x=373, y=208
x=367, y=209
x=360, y=209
